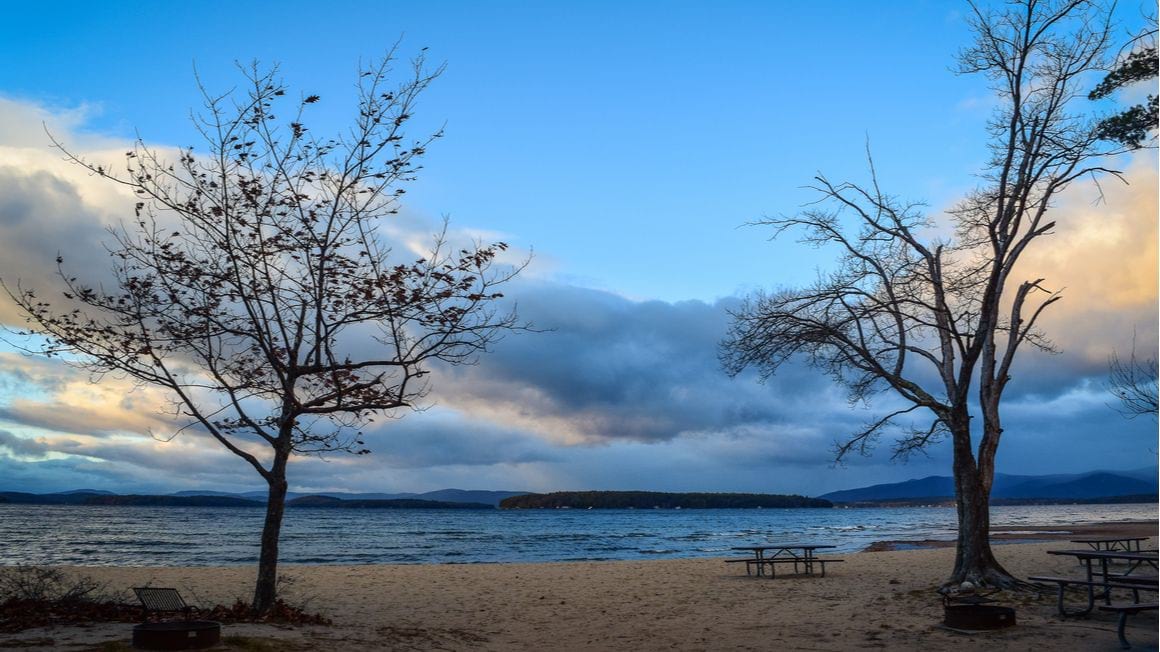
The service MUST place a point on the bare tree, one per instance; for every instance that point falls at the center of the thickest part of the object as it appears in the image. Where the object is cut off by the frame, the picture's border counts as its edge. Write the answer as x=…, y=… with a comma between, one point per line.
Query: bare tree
x=1134, y=383
x=924, y=318
x=253, y=284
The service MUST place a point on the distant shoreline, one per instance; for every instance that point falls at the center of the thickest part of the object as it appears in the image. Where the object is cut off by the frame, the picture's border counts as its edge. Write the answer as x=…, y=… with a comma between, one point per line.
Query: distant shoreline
x=600, y=500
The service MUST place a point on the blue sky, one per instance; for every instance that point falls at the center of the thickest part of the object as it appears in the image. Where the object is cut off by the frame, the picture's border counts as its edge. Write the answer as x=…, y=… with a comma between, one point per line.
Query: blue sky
x=625, y=144
x=633, y=129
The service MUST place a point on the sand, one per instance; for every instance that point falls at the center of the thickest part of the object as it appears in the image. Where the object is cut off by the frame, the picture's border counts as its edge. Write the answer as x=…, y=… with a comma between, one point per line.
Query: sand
x=880, y=600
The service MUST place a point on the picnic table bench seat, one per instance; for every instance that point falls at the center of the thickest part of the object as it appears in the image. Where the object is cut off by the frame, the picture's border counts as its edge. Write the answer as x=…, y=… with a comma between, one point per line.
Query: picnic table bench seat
x=1118, y=583
x=1115, y=581
x=750, y=562
x=747, y=561
x=808, y=563
x=1063, y=581
x=1151, y=580
x=1125, y=609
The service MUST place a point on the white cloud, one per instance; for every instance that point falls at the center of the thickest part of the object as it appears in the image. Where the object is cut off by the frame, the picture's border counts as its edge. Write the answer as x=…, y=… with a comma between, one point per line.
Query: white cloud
x=1103, y=256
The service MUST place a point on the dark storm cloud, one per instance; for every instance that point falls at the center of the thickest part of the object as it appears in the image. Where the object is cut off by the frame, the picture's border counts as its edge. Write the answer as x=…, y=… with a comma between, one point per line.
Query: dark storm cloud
x=1046, y=435
x=42, y=216
x=613, y=370
x=55, y=475
x=21, y=445
x=608, y=368
x=430, y=439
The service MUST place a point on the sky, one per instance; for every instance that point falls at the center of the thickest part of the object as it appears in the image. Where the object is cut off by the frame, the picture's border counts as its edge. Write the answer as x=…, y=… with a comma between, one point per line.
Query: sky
x=625, y=146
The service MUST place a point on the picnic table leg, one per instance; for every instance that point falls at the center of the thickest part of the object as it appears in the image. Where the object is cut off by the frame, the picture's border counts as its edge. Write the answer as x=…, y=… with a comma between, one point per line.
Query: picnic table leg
x=1063, y=611
x=1091, y=594
x=1107, y=589
x=1124, y=645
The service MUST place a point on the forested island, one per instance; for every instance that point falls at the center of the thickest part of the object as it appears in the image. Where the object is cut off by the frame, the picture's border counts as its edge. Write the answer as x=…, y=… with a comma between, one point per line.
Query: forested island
x=657, y=500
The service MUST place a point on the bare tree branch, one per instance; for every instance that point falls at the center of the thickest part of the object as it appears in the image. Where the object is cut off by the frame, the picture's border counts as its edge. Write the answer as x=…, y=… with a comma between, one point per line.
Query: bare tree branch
x=1134, y=383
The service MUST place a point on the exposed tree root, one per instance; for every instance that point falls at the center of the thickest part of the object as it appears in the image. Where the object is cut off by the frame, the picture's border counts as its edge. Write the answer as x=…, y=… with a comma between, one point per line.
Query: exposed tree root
x=985, y=579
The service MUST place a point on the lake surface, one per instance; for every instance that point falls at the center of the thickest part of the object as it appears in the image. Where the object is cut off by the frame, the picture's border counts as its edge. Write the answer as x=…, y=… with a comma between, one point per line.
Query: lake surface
x=205, y=536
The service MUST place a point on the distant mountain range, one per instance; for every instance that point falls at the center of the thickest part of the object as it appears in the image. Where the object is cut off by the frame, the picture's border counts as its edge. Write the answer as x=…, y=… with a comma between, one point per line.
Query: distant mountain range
x=1094, y=487
x=1114, y=486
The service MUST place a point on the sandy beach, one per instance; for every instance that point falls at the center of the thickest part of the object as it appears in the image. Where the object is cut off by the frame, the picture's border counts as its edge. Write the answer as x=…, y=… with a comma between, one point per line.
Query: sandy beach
x=881, y=600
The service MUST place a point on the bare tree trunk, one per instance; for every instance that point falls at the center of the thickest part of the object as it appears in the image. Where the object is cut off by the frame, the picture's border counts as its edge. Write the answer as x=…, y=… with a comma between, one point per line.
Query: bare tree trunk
x=974, y=561
x=266, y=589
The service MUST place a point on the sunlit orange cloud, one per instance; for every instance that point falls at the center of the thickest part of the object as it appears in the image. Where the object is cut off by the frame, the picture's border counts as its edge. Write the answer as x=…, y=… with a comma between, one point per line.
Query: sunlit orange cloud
x=139, y=456
x=1103, y=256
x=75, y=416
x=67, y=402
x=527, y=408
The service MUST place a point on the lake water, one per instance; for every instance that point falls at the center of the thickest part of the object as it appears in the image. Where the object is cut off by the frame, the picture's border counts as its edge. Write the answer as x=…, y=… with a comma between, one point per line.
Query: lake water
x=202, y=536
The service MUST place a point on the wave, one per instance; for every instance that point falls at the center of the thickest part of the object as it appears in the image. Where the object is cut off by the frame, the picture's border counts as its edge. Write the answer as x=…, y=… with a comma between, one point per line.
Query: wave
x=213, y=536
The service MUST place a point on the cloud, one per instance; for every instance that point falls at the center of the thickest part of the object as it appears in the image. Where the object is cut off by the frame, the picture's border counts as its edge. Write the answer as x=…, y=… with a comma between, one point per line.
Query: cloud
x=614, y=380
x=607, y=368
x=440, y=437
x=614, y=393
x=123, y=467
x=50, y=207
x=22, y=446
x=28, y=125
x=1103, y=255
x=51, y=395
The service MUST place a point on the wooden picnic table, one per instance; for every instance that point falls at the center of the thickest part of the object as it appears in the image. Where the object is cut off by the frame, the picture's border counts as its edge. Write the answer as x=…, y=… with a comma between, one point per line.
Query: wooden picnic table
x=1102, y=578
x=793, y=553
x=1108, y=581
x=1112, y=544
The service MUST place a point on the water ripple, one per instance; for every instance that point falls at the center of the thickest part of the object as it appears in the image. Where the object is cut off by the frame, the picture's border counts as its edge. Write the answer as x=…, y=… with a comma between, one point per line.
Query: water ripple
x=206, y=536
